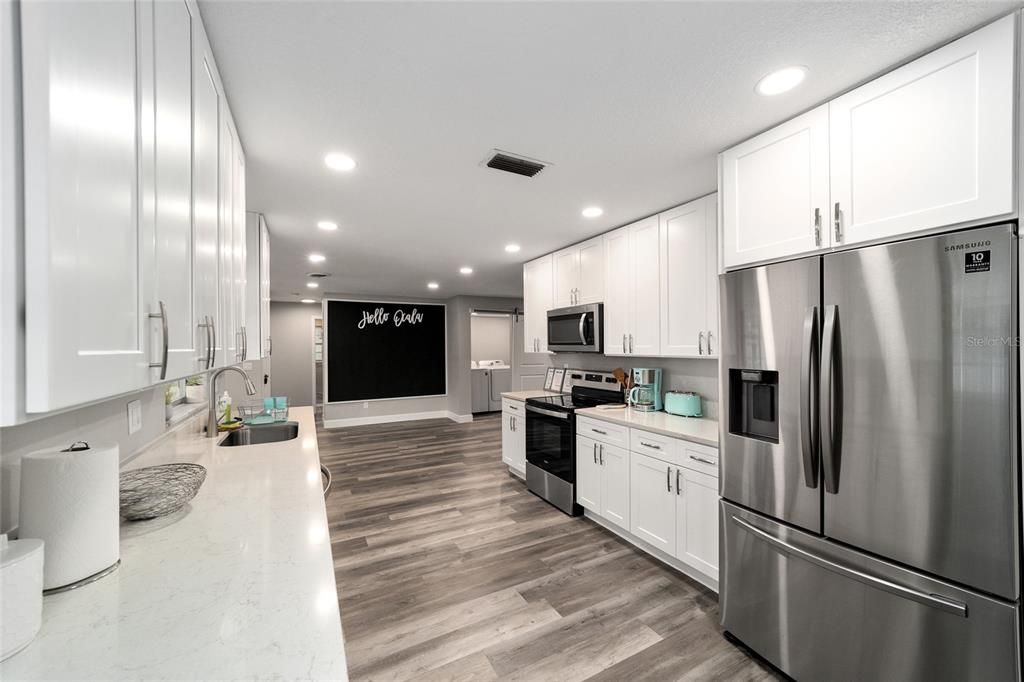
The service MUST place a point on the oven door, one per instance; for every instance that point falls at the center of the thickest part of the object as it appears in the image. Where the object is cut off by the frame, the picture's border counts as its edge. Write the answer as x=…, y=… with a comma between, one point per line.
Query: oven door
x=576, y=329
x=550, y=444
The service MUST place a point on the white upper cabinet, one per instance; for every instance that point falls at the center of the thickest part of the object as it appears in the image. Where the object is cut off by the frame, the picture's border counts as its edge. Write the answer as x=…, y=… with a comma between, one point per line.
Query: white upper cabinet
x=206, y=181
x=689, y=279
x=775, y=192
x=267, y=343
x=228, y=343
x=538, y=296
x=165, y=33
x=579, y=274
x=632, y=304
x=86, y=323
x=240, y=283
x=257, y=289
x=929, y=144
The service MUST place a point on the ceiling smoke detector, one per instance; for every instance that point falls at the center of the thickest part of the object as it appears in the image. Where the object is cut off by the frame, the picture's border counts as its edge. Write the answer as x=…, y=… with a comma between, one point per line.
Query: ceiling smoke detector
x=514, y=163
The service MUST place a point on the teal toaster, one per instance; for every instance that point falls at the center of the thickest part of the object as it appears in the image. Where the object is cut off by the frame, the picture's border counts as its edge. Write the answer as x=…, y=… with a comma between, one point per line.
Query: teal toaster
x=683, y=403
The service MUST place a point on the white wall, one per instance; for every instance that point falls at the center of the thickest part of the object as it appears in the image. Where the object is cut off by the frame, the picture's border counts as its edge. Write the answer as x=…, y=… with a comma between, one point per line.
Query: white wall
x=491, y=338
x=291, y=365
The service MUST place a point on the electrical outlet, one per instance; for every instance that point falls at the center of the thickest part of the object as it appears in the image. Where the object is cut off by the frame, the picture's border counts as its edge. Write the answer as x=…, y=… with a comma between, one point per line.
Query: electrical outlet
x=134, y=416
x=366, y=404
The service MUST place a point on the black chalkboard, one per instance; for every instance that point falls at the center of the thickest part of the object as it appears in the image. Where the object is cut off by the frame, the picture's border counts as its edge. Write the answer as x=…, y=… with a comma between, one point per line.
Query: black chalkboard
x=376, y=350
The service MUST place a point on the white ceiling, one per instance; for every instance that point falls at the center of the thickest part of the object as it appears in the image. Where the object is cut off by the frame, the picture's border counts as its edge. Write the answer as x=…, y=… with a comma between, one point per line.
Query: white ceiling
x=629, y=101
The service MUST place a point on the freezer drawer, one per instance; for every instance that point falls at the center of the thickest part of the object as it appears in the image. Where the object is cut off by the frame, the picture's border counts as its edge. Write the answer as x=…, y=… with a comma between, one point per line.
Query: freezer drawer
x=820, y=611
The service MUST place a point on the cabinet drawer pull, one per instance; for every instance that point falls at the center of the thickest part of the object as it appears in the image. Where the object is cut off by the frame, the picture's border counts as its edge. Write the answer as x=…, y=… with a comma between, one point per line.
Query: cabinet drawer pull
x=650, y=445
x=702, y=460
x=163, y=354
x=603, y=433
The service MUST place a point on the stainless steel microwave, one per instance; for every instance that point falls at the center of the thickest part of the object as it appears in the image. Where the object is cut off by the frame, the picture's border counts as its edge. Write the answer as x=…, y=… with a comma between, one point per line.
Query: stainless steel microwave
x=577, y=329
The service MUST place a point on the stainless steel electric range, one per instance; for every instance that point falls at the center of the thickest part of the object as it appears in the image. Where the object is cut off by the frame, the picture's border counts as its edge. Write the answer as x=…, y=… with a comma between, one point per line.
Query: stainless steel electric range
x=551, y=436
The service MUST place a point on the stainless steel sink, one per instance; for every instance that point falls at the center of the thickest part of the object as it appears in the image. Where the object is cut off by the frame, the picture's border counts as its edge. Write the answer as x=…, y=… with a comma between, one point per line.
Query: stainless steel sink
x=266, y=433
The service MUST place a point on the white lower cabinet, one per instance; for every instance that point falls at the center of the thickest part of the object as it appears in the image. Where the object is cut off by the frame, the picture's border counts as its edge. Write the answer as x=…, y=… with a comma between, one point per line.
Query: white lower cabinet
x=665, y=497
x=513, y=436
x=653, y=502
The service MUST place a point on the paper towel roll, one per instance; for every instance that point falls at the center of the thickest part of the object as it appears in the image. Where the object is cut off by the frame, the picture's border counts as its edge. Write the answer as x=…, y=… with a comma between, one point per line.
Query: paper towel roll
x=69, y=500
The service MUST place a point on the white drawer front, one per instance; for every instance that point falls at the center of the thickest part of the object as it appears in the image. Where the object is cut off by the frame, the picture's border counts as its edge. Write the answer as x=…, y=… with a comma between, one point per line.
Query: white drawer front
x=653, y=444
x=602, y=431
x=513, y=406
x=700, y=458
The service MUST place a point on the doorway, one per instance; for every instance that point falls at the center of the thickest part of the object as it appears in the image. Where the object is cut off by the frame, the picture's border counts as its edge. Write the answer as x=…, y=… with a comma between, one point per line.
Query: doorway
x=492, y=363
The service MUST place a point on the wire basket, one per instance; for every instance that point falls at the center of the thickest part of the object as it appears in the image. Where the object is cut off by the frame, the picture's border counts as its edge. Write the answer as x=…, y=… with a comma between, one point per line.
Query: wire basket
x=150, y=492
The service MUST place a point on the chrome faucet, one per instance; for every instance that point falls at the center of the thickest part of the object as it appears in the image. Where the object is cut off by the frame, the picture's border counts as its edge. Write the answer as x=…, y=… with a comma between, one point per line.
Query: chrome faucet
x=211, y=422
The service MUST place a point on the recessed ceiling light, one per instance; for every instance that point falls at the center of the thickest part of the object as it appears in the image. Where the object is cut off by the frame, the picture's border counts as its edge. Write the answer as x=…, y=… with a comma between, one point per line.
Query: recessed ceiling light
x=466, y=270
x=593, y=212
x=339, y=162
x=783, y=80
x=317, y=258
x=432, y=285
x=327, y=225
x=511, y=248
x=308, y=300
x=312, y=285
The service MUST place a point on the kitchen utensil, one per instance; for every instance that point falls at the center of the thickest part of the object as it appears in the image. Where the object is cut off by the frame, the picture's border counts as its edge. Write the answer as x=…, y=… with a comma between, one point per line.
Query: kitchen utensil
x=21, y=593
x=683, y=403
x=159, y=490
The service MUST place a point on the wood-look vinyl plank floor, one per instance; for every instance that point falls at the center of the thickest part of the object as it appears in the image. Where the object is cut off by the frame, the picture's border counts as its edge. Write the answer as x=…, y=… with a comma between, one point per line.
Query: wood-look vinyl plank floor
x=449, y=569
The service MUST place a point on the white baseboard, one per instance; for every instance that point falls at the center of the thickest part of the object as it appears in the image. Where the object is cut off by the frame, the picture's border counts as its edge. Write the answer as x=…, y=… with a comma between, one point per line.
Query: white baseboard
x=391, y=418
x=706, y=580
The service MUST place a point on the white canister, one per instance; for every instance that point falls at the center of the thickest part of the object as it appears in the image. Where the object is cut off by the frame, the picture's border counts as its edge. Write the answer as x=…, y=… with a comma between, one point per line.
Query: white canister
x=21, y=593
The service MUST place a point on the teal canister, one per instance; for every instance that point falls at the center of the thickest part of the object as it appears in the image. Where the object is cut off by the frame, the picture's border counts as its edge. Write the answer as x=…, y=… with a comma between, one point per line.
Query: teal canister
x=683, y=403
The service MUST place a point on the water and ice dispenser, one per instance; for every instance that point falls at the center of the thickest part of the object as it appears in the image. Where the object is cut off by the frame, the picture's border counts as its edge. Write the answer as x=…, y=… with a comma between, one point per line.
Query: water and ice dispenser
x=754, y=404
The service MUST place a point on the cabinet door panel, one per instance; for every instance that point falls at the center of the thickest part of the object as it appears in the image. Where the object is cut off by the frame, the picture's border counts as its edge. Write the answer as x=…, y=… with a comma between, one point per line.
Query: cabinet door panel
x=942, y=125
x=171, y=228
x=206, y=157
x=566, y=277
x=614, y=484
x=617, y=289
x=240, y=283
x=591, y=280
x=267, y=344
x=588, y=475
x=711, y=258
x=697, y=521
x=645, y=299
x=652, y=501
x=508, y=439
x=537, y=298
x=771, y=186
x=227, y=332
x=684, y=276
x=86, y=323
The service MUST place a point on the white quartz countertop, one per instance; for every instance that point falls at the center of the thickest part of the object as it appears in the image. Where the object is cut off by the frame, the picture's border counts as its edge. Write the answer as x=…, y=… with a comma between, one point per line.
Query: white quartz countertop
x=694, y=429
x=239, y=584
x=521, y=396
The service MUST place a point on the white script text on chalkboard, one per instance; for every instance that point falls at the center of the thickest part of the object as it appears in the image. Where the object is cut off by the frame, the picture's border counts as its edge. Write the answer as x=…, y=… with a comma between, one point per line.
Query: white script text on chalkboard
x=379, y=317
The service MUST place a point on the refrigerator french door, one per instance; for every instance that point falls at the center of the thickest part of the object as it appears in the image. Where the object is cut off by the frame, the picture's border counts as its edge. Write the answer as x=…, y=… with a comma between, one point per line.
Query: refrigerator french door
x=870, y=460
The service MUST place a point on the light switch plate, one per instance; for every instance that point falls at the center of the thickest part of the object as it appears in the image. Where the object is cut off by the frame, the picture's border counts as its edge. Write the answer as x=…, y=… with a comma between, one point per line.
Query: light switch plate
x=134, y=416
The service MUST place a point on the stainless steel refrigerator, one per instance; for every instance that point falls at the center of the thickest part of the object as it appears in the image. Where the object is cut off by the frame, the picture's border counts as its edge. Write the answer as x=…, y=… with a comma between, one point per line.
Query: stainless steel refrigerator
x=869, y=460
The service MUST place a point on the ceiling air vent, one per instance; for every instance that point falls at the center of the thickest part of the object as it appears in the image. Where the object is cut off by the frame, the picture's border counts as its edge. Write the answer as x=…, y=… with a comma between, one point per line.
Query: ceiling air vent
x=514, y=163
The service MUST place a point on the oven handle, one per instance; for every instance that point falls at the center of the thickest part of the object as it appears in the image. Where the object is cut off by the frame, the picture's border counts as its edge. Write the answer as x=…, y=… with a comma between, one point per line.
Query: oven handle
x=549, y=413
x=583, y=334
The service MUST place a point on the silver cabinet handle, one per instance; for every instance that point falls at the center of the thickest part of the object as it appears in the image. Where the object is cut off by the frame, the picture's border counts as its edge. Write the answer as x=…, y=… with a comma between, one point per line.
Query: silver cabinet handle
x=209, y=340
x=623, y=343
x=213, y=342
x=330, y=479
x=603, y=433
x=817, y=227
x=600, y=452
x=650, y=445
x=700, y=343
x=702, y=460
x=630, y=343
x=595, y=453
x=933, y=600
x=270, y=345
x=839, y=230
x=245, y=344
x=668, y=478
x=710, y=352
x=163, y=355
x=678, y=471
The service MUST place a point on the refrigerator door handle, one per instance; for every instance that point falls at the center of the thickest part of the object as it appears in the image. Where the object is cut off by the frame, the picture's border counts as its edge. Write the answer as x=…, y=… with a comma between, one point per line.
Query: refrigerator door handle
x=809, y=398
x=933, y=600
x=831, y=400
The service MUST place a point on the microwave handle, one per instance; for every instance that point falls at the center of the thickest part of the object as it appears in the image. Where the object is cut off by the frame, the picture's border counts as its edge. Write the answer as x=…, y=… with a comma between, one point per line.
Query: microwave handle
x=583, y=324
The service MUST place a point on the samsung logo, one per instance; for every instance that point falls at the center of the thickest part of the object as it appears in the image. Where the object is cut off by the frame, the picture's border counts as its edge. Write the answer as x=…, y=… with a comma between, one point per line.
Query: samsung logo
x=968, y=245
